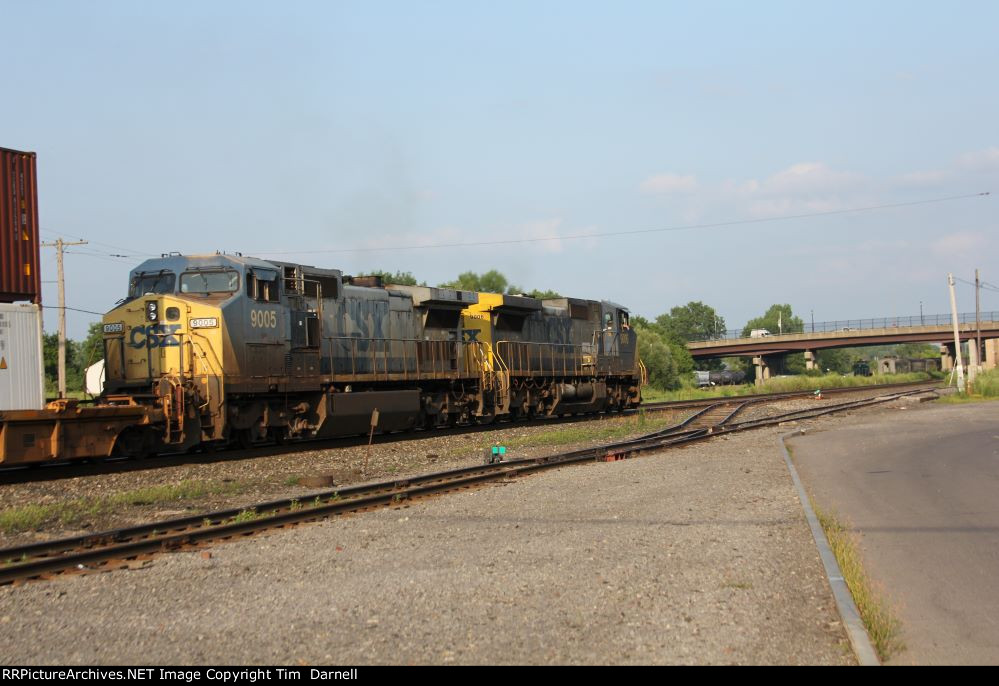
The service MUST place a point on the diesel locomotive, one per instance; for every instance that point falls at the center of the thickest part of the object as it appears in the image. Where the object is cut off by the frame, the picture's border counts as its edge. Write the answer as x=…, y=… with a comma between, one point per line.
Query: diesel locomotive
x=216, y=349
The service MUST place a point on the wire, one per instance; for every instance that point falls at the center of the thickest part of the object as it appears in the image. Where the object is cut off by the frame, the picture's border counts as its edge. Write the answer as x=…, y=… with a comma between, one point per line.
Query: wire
x=99, y=256
x=608, y=234
x=984, y=285
x=74, y=309
x=107, y=245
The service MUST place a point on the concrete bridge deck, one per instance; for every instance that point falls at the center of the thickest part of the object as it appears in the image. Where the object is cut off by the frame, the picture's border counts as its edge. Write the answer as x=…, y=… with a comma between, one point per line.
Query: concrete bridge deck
x=847, y=338
x=764, y=350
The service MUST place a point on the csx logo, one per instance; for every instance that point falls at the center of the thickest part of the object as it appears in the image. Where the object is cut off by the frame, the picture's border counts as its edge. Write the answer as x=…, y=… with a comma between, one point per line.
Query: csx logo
x=153, y=336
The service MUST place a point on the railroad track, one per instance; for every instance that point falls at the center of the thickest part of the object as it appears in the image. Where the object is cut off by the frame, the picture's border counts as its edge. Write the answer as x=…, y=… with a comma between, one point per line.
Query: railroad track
x=61, y=470
x=129, y=546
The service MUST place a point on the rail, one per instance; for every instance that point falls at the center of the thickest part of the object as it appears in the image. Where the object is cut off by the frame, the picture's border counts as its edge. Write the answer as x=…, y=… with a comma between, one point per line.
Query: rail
x=110, y=549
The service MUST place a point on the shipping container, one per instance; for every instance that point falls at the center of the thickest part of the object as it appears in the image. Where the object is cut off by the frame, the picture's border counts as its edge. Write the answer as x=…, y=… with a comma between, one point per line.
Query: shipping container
x=19, y=242
x=22, y=372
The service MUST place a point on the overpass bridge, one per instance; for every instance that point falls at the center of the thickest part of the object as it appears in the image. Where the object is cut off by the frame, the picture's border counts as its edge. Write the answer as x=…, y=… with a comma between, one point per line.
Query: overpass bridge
x=857, y=333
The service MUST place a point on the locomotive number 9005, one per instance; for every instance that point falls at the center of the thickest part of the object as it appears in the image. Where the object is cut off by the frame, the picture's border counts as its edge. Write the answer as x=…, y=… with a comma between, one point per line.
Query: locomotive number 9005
x=262, y=319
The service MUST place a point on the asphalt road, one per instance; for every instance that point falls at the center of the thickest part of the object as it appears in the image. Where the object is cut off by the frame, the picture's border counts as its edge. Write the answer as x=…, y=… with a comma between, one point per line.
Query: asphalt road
x=921, y=487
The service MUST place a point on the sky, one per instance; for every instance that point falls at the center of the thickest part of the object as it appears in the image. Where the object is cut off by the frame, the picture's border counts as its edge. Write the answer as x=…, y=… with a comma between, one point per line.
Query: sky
x=359, y=135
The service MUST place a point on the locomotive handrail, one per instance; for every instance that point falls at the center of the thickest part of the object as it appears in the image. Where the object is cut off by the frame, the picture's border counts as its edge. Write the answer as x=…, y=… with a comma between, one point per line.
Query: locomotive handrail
x=413, y=354
x=217, y=372
x=521, y=356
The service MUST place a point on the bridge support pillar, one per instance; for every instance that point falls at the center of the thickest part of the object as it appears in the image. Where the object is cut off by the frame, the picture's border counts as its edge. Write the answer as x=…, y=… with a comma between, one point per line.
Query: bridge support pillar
x=947, y=355
x=810, y=361
x=973, y=353
x=991, y=353
x=762, y=369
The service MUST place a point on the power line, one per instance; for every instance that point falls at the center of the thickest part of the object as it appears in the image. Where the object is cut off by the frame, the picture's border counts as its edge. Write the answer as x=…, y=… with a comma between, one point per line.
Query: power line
x=611, y=234
x=107, y=245
x=984, y=284
x=74, y=309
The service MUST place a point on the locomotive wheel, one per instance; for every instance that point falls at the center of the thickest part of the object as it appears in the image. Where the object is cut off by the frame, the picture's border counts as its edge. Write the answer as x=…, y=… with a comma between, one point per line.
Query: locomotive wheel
x=244, y=438
x=135, y=443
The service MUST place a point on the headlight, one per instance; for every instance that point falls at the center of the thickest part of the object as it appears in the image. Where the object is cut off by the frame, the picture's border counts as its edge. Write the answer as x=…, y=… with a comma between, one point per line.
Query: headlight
x=118, y=327
x=205, y=323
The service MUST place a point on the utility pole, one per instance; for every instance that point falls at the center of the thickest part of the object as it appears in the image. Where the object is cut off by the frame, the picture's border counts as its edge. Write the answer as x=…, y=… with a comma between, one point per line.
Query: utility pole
x=957, y=336
x=978, y=321
x=60, y=245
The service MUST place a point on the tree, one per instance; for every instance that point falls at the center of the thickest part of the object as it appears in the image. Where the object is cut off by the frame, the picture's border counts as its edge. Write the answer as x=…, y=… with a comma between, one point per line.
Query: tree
x=539, y=294
x=780, y=319
x=907, y=350
x=489, y=282
x=658, y=358
x=666, y=358
x=50, y=357
x=838, y=360
x=91, y=350
x=694, y=321
x=398, y=278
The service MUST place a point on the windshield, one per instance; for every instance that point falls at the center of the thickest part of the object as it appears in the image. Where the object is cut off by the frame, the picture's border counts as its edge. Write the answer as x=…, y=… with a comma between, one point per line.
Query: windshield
x=209, y=282
x=152, y=283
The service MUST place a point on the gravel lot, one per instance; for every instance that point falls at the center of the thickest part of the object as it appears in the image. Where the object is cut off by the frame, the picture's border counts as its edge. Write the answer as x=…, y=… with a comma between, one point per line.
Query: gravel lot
x=265, y=474
x=239, y=479
x=698, y=555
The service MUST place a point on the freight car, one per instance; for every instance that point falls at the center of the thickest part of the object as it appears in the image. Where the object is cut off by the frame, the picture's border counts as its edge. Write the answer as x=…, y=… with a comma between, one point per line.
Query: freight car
x=725, y=377
x=209, y=350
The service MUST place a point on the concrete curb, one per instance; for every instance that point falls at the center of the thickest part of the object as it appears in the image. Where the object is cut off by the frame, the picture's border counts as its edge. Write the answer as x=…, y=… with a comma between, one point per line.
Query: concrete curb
x=859, y=640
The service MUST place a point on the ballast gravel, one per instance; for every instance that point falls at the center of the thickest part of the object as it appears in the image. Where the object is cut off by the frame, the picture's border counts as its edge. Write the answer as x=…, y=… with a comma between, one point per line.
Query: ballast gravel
x=692, y=556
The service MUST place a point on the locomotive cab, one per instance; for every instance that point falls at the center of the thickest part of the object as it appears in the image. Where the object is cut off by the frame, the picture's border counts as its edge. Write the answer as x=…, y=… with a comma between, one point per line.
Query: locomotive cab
x=163, y=345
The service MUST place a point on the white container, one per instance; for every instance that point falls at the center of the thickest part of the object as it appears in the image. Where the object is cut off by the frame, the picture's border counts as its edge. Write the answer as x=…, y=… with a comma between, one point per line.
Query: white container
x=93, y=378
x=22, y=373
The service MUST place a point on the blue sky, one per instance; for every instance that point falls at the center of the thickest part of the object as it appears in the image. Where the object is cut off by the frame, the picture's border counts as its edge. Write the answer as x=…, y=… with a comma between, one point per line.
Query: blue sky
x=302, y=131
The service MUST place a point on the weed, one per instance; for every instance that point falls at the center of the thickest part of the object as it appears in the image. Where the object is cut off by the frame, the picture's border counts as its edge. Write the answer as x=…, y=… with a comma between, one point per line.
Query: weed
x=883, y=626
x=782, y=385
x=247, y=515
x=70, y=512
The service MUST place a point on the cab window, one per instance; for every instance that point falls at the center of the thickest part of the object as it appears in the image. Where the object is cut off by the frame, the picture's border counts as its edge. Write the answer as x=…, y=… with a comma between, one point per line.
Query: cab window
x=151, y=283
x=209, y=282
x=262, y=285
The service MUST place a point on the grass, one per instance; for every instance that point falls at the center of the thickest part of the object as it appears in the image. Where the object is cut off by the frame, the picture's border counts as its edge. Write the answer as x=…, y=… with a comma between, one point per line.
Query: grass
x=245, y=516
x=781, y=385
x=986, y=387
x=600, y=430
x=883, y=626
x=70, y=512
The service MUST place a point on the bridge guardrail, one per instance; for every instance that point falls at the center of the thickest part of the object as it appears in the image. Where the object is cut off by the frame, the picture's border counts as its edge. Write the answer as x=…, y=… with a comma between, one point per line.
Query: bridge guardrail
x=861, y=324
